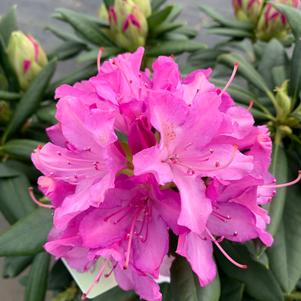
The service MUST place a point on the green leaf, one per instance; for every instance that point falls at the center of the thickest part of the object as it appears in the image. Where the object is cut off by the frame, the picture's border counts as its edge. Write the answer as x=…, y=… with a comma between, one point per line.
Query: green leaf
x=156, y=4
x=204, y=58
x=229, y=32
x=259, y=281
x=159, y=17
x=46, y=113
x=295, y=76
x=279, y=170
x=13, y=266
x=15, y=202
x=36, y=286
x=165, y=28
x=7, y=172
x=7, y=68
x=30, y=101
x=284, y=255
x=246, y=70
x=166, y=292
x=231, y=289
x=67, y=50
x=175, y=12
x=117, y=294
x=274, y=55
x=174, y=47
x=77, y=75
x=28, y=235
x=59, y=277
x=20, y=148
x=186, y=287
x=8, y=24
x=211, y=12
x=63, y=35
x=5, y=95
x=86, y=27
x=293, y=16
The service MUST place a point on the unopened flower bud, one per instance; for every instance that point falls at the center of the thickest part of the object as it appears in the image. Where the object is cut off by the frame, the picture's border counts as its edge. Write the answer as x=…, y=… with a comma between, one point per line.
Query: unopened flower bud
x=145, y=7
x=248, y=10
x=283, y=100
x=273, y=24
x=26, y=57
x=128, y=24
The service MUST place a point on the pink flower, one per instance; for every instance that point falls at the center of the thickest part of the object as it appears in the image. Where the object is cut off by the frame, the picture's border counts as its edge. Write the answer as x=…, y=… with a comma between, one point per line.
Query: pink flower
x=134, y=216
x=135, y=156
x=183, y=158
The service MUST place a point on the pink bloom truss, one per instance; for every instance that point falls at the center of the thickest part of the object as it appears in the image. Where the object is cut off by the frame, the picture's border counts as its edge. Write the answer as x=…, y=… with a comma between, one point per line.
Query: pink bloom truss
x=135, y=156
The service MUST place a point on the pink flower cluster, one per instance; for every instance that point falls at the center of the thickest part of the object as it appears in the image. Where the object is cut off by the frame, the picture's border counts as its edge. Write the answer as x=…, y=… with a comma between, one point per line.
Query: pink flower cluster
x=136, y=155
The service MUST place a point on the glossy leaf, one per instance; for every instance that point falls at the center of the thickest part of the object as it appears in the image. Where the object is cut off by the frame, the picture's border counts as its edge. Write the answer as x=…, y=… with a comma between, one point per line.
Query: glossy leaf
x=156, y=4
x=13, y=266
x=28, y=235
x=30, y=101
x=295, y=76
x=231, y=289
x=63, y=35
x=59, y=277
x=8, y=24
x=230, y=32
x=86, y=27
x=15, y=201
x=285, y=253
x=186, y=287
x=46, y=113
x=67, y=50
x=259, y=282
x=5, y=95
x=159, y=17
x=280, y=171
x=20, y=148
x=77, y=75
x=274, y=55
x=212, y=13
x=36, y=286
x=174, y=47
x=7, y=68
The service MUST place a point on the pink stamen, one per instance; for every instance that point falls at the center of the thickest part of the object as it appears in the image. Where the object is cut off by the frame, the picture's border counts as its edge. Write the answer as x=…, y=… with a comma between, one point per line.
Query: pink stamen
x=131, y=234
x=284, y=184
x=250, y=105
x=241, y=266
x=231, y=79
x=39, y=203
x=99, y=59
x=95, y=281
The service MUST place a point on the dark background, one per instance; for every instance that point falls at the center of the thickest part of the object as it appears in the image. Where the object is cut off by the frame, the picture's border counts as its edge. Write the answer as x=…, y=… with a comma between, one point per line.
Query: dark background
x=34, y=15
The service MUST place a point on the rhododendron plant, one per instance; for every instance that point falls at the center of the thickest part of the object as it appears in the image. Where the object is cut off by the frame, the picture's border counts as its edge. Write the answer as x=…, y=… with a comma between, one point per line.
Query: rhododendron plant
x=138, y=154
